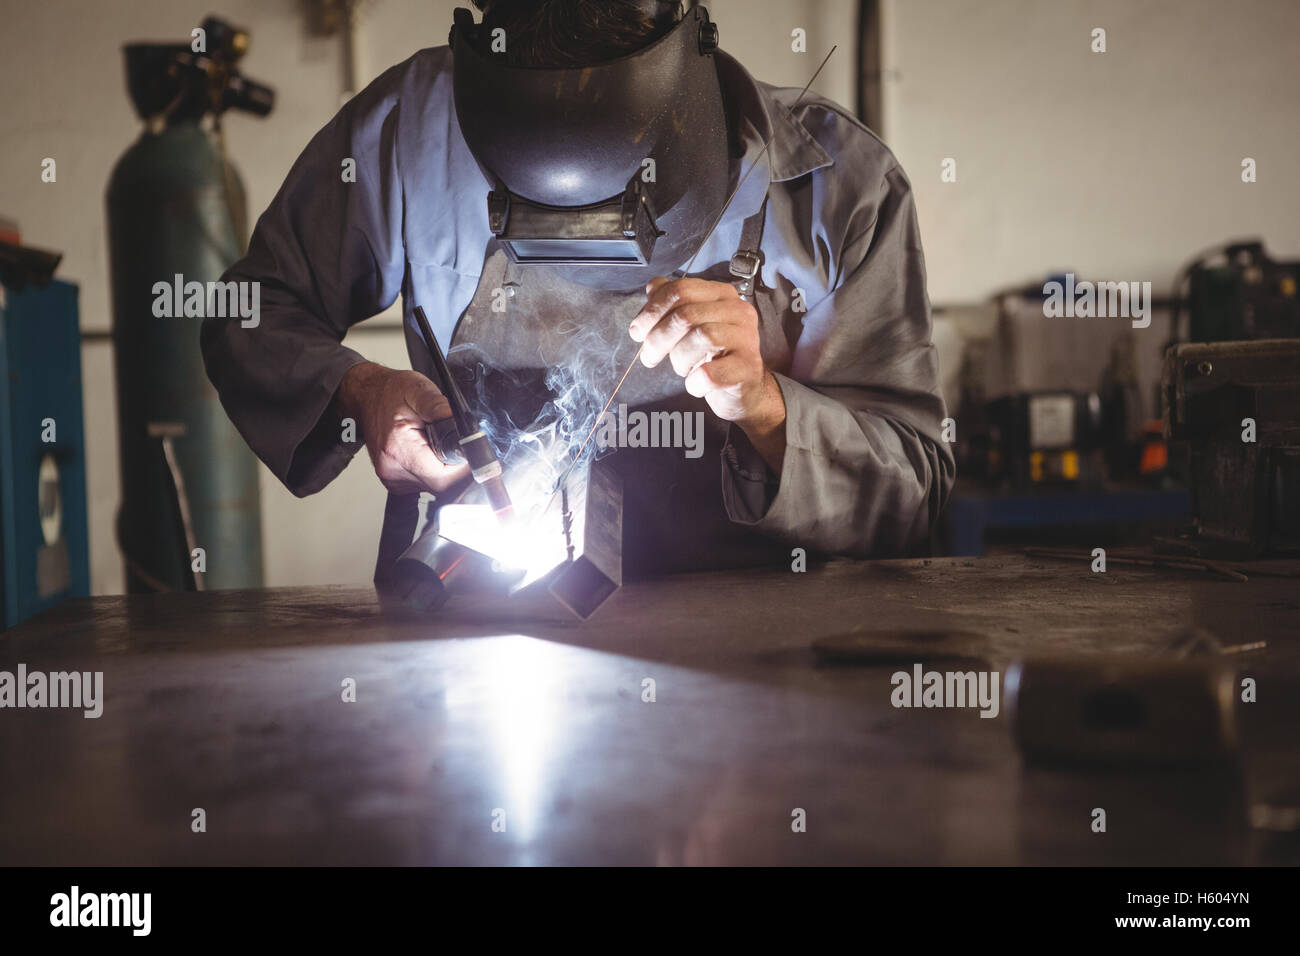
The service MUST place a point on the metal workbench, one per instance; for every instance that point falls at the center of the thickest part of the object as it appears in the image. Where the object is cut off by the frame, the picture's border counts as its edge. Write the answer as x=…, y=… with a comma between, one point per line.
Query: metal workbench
x=232, y=702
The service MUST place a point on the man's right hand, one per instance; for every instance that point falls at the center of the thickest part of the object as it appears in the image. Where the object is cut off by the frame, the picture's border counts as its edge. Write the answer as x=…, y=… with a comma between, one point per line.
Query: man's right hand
x=391, y=408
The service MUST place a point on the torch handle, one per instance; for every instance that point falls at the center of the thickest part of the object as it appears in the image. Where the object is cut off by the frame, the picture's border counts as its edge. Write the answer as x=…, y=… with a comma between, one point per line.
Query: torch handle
x=465, y=422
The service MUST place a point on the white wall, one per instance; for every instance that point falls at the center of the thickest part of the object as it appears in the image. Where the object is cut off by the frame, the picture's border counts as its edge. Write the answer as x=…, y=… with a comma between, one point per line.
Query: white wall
x=759, y=34
x=1120, y=164
x=1116, y=165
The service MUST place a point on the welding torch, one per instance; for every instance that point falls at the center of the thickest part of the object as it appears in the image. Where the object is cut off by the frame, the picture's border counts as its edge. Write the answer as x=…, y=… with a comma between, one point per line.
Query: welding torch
x=446, y=439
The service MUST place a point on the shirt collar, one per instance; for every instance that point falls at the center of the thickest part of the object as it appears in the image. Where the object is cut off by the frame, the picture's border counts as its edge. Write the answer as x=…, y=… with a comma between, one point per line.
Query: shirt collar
x=793, y=152
x=761, y=117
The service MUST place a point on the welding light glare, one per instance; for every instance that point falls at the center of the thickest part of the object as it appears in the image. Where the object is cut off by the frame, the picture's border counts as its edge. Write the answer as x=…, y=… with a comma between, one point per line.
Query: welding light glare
x=521, y=545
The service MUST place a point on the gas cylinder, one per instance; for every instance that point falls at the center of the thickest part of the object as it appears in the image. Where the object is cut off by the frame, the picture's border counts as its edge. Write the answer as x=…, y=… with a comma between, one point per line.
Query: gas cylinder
x=190, y=515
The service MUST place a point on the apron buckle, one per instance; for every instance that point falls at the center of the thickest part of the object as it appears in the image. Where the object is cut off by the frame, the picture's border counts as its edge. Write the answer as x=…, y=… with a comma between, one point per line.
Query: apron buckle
x=745, y=266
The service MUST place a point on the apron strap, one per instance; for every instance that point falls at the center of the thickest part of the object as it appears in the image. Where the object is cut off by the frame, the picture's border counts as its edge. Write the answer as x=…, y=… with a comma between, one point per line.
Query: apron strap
x=747, y=263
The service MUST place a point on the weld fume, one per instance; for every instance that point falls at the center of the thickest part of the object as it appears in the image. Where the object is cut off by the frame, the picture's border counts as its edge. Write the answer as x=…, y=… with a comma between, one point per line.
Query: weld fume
x=578, y=382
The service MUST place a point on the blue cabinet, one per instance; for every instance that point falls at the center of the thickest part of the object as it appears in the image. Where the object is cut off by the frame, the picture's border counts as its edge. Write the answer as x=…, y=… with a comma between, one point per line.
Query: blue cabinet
x=45, y=556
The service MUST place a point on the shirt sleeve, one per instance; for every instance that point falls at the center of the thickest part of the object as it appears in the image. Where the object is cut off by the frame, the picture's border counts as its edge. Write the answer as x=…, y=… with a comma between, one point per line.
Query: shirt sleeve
x=865, y=473
x=326, y=254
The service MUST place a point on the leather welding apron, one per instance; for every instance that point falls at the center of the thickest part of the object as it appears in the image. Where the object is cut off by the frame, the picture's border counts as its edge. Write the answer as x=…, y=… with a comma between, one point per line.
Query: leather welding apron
x=673, y=514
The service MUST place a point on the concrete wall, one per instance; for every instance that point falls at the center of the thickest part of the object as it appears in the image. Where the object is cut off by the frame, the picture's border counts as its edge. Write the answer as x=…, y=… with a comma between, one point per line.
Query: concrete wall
x=1120, y=164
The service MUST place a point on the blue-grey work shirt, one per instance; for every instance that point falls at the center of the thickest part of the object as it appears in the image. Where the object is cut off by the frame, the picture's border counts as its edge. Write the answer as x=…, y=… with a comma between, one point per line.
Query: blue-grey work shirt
x=865, y=472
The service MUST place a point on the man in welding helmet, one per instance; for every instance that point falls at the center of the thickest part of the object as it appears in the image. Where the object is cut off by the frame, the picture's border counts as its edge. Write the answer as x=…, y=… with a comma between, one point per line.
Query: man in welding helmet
x=569, y=182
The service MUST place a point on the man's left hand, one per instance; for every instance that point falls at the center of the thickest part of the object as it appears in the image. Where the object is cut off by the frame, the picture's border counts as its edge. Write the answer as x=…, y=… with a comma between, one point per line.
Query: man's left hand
x=710, y=334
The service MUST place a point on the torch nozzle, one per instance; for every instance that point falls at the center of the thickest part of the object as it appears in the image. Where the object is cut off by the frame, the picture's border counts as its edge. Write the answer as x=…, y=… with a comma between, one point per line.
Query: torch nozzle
x=486, y=469
x=499, y=499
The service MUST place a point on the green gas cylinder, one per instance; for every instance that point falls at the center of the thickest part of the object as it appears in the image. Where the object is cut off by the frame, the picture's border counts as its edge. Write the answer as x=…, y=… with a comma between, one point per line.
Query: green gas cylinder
x=190, y=514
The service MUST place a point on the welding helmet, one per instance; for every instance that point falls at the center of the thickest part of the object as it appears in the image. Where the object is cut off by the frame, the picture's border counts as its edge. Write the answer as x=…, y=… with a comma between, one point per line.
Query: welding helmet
x=613, y=172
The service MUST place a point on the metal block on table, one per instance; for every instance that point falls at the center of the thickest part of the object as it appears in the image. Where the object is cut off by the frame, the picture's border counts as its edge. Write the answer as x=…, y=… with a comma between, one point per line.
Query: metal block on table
x=572, y=547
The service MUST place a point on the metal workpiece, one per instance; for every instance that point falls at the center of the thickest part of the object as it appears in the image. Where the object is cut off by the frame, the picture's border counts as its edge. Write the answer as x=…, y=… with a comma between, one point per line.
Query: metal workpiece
x=572, y=549
x=592, y=525
x=426, y=575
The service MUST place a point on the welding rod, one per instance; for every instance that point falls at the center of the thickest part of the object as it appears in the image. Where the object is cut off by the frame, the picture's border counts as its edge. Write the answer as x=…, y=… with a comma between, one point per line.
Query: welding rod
x=477, y=449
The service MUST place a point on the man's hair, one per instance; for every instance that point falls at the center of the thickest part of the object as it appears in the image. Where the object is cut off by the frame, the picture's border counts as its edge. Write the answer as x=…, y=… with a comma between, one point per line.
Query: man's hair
x=573, y=33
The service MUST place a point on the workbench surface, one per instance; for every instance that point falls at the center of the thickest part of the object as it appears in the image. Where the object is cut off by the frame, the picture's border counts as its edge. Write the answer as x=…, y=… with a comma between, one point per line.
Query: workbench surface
x=232, y=702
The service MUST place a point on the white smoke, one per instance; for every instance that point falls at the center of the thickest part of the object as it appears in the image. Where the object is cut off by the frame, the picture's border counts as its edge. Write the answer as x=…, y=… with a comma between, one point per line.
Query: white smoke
x=579, y=382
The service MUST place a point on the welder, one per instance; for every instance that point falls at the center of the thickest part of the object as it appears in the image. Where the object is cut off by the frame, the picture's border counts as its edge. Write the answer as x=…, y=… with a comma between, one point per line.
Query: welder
x=538, y=187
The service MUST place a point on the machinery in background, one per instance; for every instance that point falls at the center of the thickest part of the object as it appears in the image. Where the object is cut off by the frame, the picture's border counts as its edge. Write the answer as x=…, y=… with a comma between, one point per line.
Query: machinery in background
x=1231, y=401
x=1038, y=438
x=1066, y=402
x=1236, y=406
x=1061, y=440
x=1237, y=292
x=45, y=555
x=176, y=208
x=1055, y=403
x=1057, y=425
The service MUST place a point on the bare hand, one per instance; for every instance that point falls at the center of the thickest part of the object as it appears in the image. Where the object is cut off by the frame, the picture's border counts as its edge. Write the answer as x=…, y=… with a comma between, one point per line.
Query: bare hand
x=391, y=408
x=710, y=334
